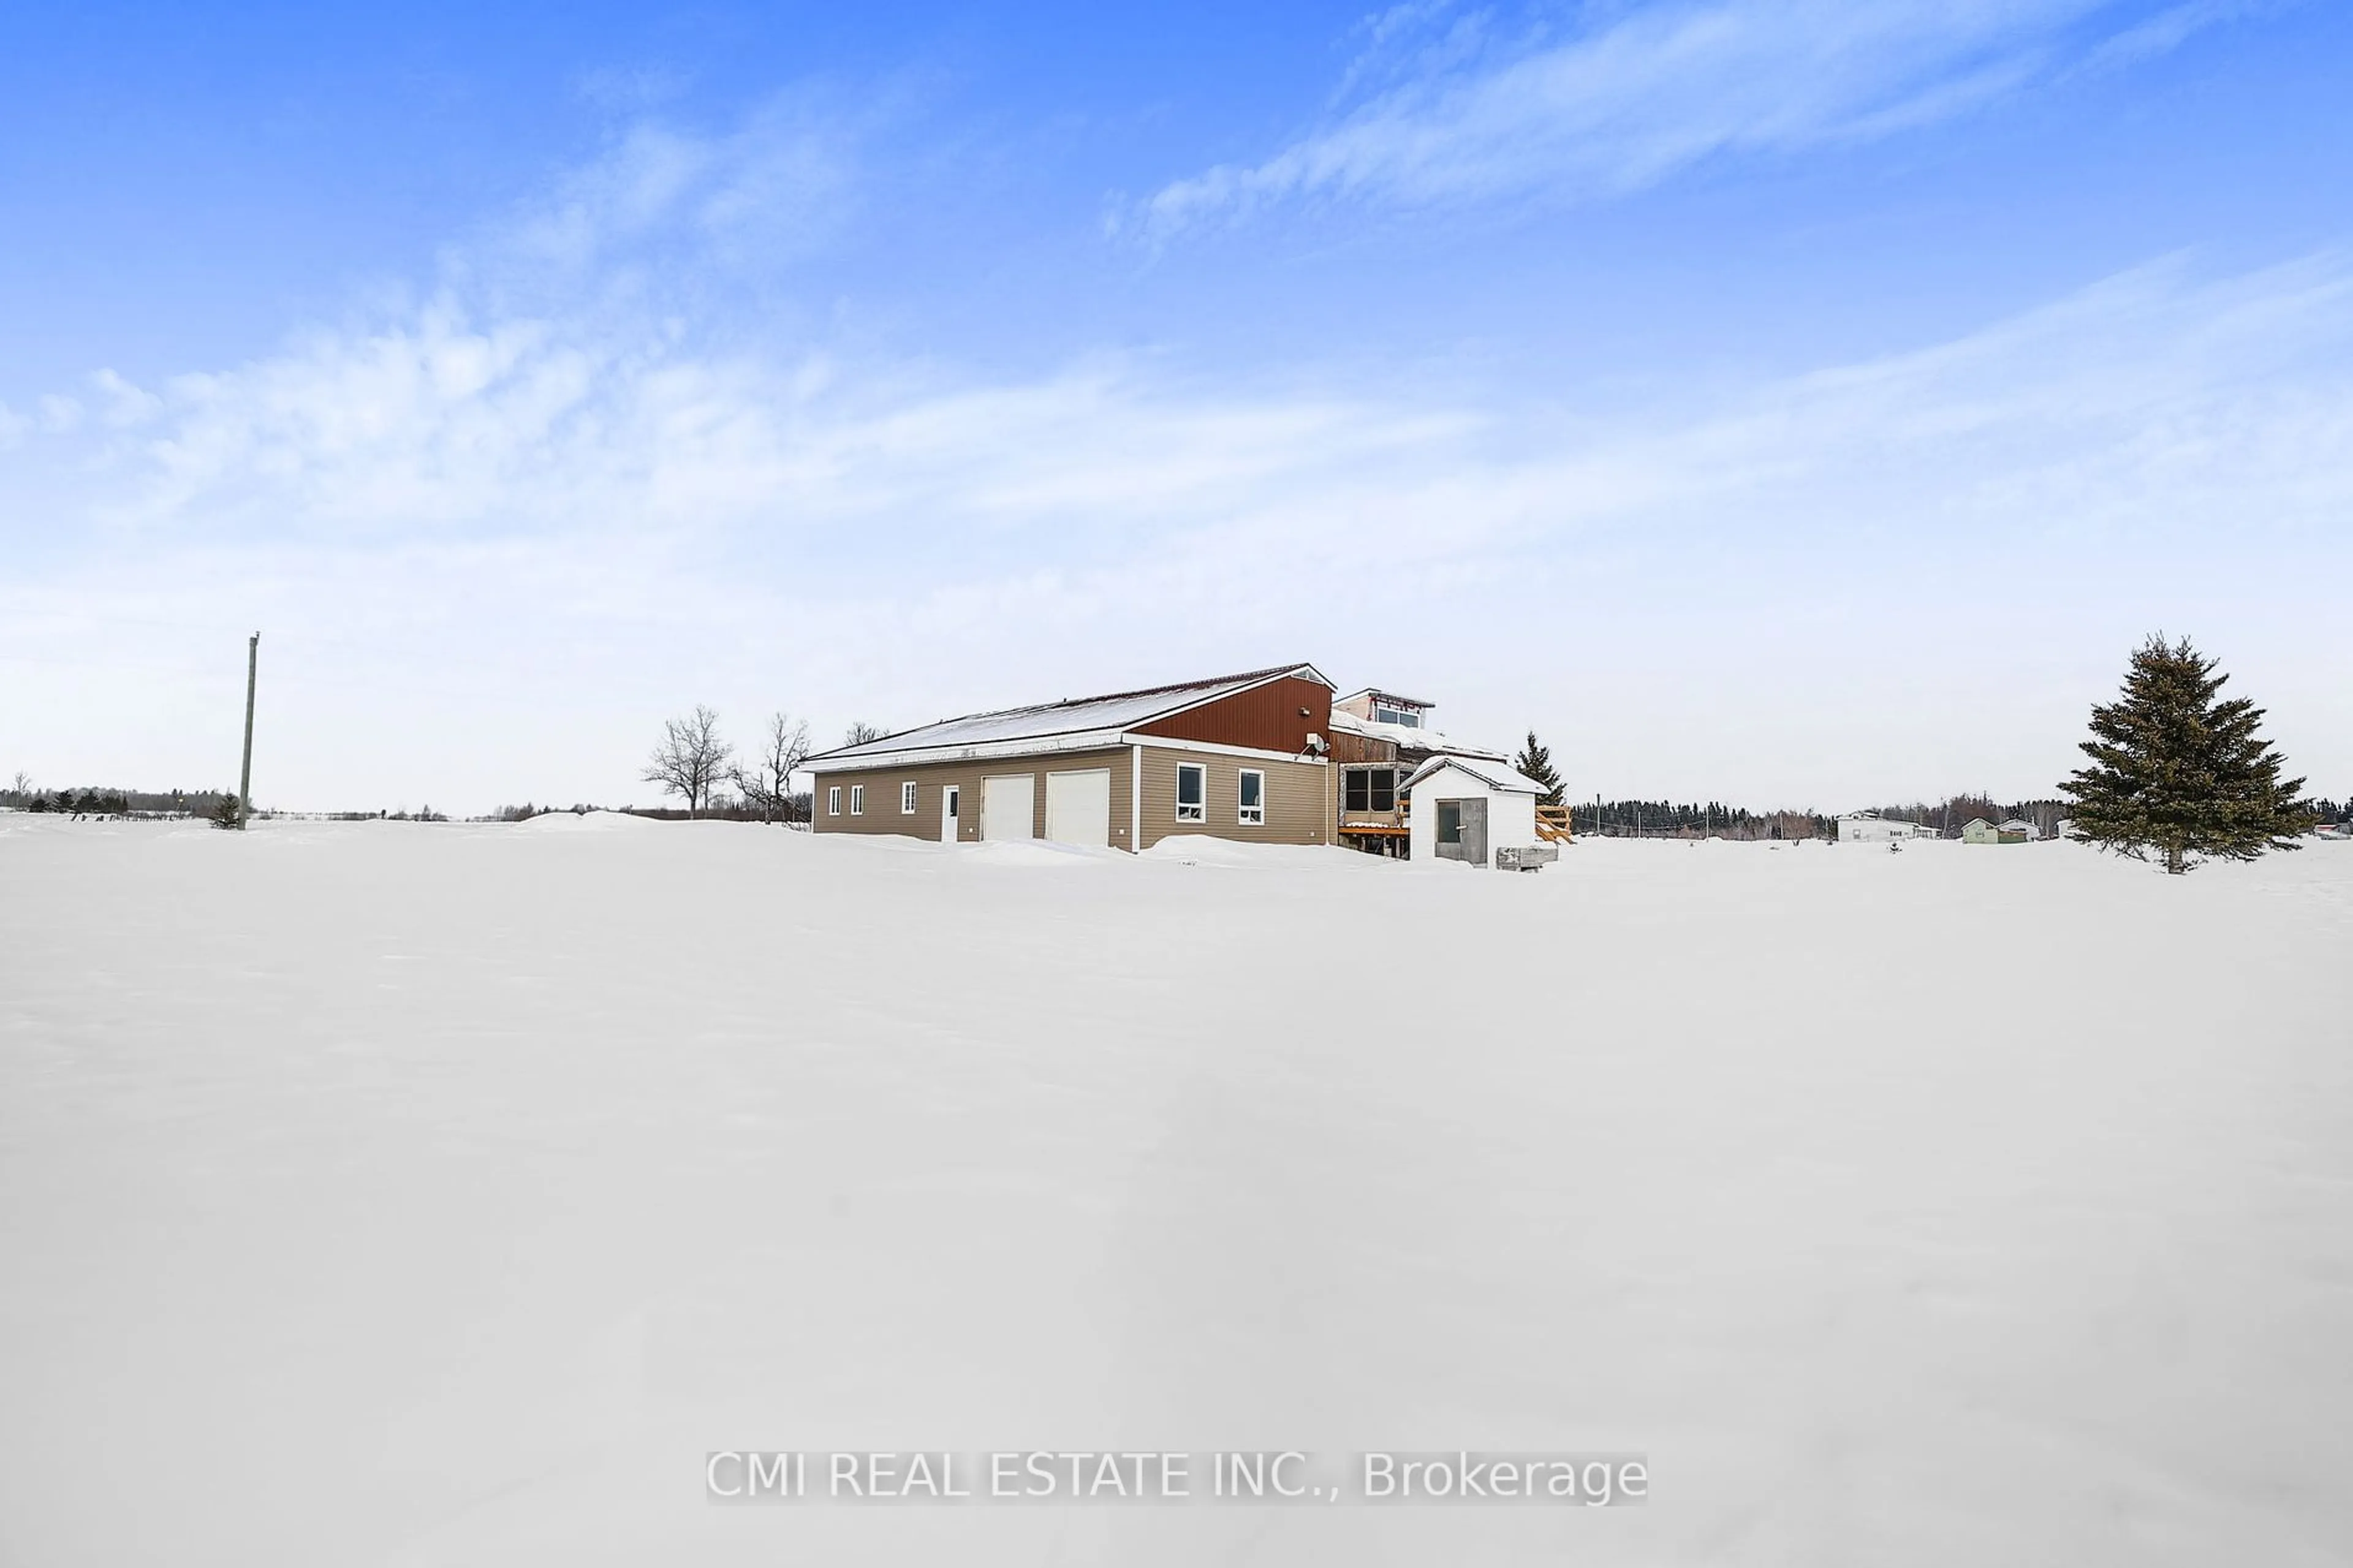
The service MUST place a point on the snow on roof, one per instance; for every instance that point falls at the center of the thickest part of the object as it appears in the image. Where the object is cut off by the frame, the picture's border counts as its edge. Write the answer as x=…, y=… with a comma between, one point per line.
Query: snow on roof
x=1072, y=715
x=1491, y=773
x=1390, y=697
x=1419, y=738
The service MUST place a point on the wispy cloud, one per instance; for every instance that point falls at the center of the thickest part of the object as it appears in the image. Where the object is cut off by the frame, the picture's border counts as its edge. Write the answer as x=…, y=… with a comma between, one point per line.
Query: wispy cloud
x=526, y=428
x=668, y=206
x=523, y=521
x=569, y=504
x=1459, y=111
x=631, y=89
x=2171, y=26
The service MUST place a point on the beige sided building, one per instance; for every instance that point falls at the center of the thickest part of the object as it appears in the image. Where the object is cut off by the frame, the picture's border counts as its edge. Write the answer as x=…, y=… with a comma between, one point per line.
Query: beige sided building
x=1238, y=756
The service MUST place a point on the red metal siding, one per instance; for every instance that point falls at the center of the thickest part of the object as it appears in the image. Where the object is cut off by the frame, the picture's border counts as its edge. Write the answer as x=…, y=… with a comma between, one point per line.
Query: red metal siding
x=1276, y=717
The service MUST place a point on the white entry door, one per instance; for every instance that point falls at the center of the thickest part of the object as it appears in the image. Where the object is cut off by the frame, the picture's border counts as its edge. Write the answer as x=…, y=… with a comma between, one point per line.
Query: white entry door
x=1078, y=807
x=1008, y=806
x=951, y=805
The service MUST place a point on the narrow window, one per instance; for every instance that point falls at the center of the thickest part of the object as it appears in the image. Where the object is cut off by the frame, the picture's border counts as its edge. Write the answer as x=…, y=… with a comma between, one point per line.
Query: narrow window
x=1382, y=785
x=1253, y=797
x=1192, y=791
x=907, y=798
x=1450, y=822
x=857, y=800
x=833, y=800
x=1359, y=796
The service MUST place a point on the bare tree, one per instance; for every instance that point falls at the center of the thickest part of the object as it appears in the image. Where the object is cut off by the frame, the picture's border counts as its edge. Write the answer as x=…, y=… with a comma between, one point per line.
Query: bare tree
x=861, y=733
x=691, y=758
x=20, y=792
x=766, y=782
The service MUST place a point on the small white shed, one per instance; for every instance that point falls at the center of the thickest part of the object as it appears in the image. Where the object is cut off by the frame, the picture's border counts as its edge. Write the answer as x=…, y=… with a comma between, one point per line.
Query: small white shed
x=1466, y=808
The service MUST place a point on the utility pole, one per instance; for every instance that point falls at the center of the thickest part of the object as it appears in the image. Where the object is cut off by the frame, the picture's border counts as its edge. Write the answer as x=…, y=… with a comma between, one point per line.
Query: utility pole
x=245, y=774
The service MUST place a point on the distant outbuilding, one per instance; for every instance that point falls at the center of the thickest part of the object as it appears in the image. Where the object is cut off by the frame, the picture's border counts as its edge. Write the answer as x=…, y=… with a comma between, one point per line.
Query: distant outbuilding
x=1870, y=827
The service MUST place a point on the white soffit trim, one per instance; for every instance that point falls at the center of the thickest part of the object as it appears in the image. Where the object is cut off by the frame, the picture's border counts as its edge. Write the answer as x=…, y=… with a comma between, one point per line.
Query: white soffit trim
x=980, y=752
x=1163, y=743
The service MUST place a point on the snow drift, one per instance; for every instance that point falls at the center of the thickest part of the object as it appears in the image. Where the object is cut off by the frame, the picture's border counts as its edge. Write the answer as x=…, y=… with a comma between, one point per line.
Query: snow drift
x=444, y=1195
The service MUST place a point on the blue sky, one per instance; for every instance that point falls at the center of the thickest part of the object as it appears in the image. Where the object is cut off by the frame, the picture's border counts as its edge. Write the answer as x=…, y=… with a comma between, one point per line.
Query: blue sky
x=1801, y=403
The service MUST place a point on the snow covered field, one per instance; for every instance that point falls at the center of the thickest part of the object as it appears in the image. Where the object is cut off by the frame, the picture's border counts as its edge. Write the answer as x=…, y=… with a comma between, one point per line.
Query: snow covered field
x=400, y=1193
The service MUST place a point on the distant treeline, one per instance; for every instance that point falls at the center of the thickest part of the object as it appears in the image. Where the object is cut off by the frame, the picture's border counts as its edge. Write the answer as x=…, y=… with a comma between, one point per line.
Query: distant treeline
x=108, y=801
x=96, y=801
x=1693, y=820
x=725, y=809
x=1608, y=819
x=1949, y=815
x=1687, y=819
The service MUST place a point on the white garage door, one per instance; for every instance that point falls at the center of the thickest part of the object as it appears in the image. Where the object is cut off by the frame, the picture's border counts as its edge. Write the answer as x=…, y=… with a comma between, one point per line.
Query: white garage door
x=1078, y=807
x=1008, y=806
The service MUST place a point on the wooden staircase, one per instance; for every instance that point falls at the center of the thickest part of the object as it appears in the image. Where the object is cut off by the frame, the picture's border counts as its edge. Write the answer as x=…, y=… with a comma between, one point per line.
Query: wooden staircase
x=1552, y=824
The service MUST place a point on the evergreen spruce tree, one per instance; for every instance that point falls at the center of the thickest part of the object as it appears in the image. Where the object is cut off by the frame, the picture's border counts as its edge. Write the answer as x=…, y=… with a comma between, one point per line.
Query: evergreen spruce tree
x=1535, y=762
x=225, y=813
x=2176, y=775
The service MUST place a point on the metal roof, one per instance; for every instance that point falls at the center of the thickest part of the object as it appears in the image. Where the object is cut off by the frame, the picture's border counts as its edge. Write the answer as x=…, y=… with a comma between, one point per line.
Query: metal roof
x=1118, y=710
x=1494, y=775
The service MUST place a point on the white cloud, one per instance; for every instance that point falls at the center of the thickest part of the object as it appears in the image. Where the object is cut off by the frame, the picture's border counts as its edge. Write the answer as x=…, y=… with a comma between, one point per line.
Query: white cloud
x=492, y=542
x=60, y=415
x=542, y=512
x=631, y=89
x=126, y=406
x=1624, y=104
x=2171, y=26
x=772, y=189
x=451, y=424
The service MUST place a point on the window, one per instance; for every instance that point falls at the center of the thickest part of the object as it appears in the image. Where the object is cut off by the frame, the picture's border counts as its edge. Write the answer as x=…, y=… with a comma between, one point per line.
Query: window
x=1369, y=789
x=1450, y=822
x=1192, y=791
x=1253, y=797
x=833, y=800
x=907, y=798
x=857, y=800
x=1408, y=717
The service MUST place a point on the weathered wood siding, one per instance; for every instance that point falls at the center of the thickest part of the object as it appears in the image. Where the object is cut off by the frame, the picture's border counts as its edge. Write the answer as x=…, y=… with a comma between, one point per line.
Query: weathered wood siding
x=1352, y=748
